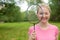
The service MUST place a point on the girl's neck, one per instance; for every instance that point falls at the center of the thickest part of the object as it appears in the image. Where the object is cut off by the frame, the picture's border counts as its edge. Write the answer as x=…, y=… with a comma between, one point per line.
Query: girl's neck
x=43, y=25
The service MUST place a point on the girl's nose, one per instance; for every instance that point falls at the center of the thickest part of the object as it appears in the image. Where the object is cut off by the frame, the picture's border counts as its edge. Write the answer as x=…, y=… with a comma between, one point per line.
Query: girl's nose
x=43, y=15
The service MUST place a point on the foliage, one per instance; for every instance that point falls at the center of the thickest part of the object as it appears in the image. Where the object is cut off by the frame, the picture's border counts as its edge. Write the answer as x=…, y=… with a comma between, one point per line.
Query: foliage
x=11, y=13
x=55, y=7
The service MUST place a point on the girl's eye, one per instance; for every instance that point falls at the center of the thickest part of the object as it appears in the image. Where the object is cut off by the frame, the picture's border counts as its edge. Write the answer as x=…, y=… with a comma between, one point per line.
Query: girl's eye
x=41, y=13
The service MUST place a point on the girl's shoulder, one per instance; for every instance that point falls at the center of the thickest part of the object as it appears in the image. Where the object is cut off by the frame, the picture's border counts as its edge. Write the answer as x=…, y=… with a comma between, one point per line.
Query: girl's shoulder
x=53, y=26
x=31, y=28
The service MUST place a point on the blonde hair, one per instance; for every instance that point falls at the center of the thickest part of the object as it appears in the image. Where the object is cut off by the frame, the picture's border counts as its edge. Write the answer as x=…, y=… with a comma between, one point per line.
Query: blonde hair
x=45, y=5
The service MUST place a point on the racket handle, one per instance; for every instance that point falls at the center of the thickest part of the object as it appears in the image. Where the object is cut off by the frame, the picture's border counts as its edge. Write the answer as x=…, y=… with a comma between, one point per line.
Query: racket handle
x=34, y=30
x=34, y=26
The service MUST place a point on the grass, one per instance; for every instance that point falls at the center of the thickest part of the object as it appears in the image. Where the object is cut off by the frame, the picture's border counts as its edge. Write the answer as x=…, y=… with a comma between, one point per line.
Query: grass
x=16, y=31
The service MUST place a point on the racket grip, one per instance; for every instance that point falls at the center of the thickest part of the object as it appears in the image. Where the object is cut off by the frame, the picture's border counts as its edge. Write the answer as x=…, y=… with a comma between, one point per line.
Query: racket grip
x=34, y=26
x=34, y=30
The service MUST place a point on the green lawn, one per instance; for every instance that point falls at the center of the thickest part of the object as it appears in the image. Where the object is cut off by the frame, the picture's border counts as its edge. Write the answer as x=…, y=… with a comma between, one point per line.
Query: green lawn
x=16, y=31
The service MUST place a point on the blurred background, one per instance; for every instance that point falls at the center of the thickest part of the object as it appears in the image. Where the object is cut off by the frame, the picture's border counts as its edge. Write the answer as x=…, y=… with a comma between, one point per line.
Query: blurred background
x=13, y=17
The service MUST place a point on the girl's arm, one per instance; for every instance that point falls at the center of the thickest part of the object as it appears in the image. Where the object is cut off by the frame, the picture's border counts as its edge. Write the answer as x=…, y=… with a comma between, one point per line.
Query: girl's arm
x=29, y=38
x=32, y=36
x=57, y=37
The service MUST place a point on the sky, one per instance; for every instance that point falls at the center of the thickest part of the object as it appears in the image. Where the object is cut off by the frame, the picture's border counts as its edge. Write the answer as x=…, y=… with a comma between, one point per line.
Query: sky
x=46, y=1
x=24, y=5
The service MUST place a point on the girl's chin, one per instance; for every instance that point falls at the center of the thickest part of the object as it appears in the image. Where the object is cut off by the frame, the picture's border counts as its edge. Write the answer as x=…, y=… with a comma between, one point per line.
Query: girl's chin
x=44, y=21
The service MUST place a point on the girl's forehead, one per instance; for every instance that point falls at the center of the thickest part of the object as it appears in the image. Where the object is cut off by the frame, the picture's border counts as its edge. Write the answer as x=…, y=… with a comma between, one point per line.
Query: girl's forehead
x=43, y=9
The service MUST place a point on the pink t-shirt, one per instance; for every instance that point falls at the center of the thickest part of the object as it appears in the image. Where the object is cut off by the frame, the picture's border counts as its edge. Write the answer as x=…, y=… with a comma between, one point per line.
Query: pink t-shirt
x=48, y=34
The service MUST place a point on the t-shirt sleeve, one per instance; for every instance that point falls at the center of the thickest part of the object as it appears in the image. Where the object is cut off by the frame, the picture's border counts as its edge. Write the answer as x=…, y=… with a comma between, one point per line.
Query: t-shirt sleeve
x=56, y=31
x=30, y=30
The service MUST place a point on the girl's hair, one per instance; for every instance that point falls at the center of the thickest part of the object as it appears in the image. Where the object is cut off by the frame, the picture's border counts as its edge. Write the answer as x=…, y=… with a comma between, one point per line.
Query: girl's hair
x=45, y=5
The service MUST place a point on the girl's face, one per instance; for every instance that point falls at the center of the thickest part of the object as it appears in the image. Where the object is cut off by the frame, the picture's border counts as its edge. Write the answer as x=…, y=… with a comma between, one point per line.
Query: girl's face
x=43, y=17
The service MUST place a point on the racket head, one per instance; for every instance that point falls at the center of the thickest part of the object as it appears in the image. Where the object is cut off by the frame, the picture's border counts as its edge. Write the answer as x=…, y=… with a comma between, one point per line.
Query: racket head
x=32, y=14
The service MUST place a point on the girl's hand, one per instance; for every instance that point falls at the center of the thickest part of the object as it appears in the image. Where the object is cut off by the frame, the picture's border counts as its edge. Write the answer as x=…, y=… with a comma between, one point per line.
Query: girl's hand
x=33, y=35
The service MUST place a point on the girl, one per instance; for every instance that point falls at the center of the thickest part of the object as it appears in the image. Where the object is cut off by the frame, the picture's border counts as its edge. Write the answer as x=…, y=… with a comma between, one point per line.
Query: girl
x=43, y=30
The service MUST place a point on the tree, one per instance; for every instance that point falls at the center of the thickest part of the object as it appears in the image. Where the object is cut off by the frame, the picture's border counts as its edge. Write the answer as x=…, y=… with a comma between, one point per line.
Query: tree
x=11, y=13
x=55, y=7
